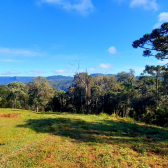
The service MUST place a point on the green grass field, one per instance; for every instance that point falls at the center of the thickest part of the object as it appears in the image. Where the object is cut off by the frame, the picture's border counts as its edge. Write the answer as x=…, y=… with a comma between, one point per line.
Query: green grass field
x=73, y=140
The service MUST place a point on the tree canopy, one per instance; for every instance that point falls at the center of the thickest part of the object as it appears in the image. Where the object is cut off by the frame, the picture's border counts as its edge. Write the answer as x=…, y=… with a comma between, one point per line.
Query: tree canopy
x=155, y=43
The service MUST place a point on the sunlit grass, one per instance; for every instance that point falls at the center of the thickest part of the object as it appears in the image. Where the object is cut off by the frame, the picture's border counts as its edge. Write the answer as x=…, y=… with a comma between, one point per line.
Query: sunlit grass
x=73, y=140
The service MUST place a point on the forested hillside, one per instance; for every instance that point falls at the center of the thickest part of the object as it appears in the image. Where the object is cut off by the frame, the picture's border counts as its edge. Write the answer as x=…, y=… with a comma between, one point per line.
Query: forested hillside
x=122, y=95
x=58, y=82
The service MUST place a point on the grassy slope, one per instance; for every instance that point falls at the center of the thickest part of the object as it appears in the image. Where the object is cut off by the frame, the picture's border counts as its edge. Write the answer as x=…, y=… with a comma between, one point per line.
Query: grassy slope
x=71, y=140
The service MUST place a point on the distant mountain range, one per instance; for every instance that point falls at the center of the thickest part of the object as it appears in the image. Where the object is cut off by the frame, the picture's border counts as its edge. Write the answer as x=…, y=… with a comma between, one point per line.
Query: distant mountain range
x=58, y=82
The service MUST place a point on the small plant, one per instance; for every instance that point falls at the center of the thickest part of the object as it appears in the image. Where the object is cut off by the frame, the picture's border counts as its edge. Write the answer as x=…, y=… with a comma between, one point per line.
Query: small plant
x=140, y=149
x=113, y=115
x=104, y=115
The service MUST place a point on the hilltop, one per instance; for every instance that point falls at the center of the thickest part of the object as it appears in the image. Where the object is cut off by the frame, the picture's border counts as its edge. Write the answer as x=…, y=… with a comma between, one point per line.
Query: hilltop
x=31, y=139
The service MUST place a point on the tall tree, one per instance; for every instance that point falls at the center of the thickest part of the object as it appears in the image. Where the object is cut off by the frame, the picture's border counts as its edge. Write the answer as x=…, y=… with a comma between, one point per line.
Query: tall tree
x=155, y=43
x=4, y=93
x=40, y=92
x=61, y=96
x=127, y=77
x=84, y=79
x=17, y=89
x=156, y=71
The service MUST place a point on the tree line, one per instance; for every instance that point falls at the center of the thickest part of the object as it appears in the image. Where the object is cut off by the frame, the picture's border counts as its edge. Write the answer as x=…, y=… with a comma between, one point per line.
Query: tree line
x=122, y=95
x=144, y=98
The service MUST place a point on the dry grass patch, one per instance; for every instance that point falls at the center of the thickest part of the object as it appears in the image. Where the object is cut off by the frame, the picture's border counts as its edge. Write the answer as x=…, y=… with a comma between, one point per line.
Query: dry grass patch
x=72, y=140
x=9, y=115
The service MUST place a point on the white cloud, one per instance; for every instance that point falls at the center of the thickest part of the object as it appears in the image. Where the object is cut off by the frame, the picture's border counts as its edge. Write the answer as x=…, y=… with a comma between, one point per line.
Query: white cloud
x=37, y=73
x=19, y=52
x=163, y=17
x=146, y=4
x=59, y=71
x=94, y=70
x=163, y=62
x=83, y=6
x=112, y=50
x=12, y=72
x=106, y=66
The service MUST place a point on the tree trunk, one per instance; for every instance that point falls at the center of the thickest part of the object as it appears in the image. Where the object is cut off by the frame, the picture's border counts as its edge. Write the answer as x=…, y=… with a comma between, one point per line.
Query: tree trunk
x=37, y=109
x=62, y=106
x=15, y=103
x=81, y=105
x=96, y=106
x=157, y=94
x=123, y=110
x=88, y=95
x=103, y=103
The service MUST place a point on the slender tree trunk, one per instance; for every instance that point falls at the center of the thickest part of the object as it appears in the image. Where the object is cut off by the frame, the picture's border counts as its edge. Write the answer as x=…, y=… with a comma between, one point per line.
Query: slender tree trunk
x=114, y=111
x=81, y=106
x=88, y=95
x=15, y=103
x=157, y=93
x=62, y=106
x=37, y=109
x=103, y=105
x=96, y=106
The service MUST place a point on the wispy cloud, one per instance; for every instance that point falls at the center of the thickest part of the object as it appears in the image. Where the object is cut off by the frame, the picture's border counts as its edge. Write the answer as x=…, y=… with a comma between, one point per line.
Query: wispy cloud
x=106, y=66
x=22, y=52
x=11, y=60
x=146, y=4
x=163, y=62
x=112, y=50
x=82, y=6
x=10, y=73
x=36, y=73
x=163, y=17
x=61, y=71
x=69, y=57
x=94, y=70
x=66, y=67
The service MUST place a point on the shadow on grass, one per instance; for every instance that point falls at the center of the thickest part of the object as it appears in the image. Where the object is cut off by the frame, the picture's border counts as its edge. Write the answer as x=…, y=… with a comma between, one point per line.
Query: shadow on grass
x=140, y=138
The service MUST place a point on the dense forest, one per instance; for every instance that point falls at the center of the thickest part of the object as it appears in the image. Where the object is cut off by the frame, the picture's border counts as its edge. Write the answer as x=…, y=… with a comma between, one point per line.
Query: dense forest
x=145, y=98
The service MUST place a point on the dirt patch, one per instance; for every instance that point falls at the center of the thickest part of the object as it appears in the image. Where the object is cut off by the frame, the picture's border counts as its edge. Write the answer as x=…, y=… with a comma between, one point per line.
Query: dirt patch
x=9, y=115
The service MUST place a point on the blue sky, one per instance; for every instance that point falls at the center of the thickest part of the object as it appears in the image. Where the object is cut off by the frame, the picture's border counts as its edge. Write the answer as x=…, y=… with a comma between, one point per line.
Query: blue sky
x=51, y=37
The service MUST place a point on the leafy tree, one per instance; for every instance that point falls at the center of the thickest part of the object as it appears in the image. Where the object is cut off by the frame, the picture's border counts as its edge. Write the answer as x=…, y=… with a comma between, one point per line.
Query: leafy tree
x=17, y=89
x=84, y=79
x=40, y=92
x=155, y=43
x=128, y=78
x=98, y=89
x=144, y=84
x=4, y=93
x=156, y=71
x=62, y=97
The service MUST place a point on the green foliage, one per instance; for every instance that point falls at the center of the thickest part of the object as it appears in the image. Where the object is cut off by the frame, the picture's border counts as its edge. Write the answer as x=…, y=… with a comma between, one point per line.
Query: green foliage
x=40, y=92
x=155, y=43
x=123, y=95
